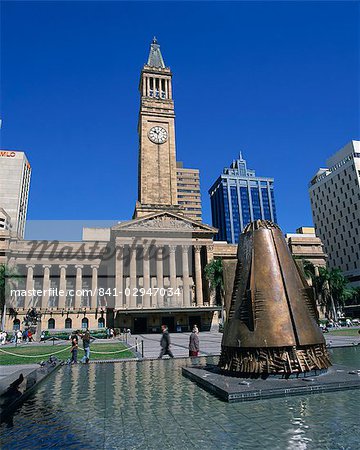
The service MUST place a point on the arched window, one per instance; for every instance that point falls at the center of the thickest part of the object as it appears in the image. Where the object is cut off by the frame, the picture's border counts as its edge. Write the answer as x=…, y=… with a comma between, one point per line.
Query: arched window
x=16, y=324
x=85, y=323
x=101, y=323
x=68, y=323
x=51, y=324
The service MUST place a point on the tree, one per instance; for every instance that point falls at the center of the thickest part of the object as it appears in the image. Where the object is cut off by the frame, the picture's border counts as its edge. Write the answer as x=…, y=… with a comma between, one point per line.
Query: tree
x=214, y=274
x=334, y=290
x=309, y=271
x=354, y=299
x=8, y=281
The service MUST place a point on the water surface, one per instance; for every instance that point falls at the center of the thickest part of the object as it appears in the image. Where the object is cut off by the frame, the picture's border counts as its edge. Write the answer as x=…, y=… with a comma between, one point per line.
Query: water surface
x=149, y=405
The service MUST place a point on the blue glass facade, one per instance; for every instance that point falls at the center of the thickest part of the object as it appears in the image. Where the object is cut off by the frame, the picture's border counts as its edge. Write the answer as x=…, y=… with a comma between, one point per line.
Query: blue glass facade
x=245, y=205
x=266, y=203
x=237, y=198
x=235, y=210
x=255, y=196
x=273, y=203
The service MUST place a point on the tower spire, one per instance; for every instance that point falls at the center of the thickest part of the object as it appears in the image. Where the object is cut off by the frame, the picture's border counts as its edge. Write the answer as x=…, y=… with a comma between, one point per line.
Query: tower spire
x=155, y=57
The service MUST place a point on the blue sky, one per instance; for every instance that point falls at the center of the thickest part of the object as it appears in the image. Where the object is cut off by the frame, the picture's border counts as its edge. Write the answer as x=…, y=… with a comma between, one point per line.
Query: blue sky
x=276, y=80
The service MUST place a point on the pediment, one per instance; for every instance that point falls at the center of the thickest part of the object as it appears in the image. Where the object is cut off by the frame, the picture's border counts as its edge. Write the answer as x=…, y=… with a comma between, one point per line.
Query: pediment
x=165, y=221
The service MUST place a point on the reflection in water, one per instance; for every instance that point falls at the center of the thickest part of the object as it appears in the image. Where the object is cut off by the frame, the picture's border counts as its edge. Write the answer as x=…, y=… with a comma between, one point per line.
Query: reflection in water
x=149, y=405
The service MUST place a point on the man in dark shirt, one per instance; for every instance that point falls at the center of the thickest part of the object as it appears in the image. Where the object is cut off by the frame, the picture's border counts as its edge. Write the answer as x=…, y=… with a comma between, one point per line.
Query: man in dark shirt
x=86, y=338
x=165, y=343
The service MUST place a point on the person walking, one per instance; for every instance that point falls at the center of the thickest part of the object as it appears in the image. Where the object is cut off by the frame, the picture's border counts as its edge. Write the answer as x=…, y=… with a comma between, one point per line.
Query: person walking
x=165, y=343
x=74, y=351
x=194, y=343
x=86, y=338
x=3, y=338
x=18, y=337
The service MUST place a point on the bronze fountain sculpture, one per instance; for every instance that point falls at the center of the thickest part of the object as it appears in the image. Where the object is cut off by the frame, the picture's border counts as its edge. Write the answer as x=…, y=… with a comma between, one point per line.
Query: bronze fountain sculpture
x=271, y=328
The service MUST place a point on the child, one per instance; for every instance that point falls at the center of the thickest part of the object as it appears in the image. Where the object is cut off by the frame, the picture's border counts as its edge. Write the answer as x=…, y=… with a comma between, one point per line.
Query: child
x=74, y=351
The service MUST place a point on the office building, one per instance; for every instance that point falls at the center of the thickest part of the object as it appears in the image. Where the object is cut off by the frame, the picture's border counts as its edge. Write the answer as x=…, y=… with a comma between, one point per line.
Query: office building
x=5, y=221
x=5, y=226
x=335, y=203
x=188, y=188
x=15, y=174
x=238, y=197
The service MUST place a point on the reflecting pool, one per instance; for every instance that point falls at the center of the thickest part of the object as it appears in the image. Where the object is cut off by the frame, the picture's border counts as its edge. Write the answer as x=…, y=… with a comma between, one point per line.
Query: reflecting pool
x=149, y=405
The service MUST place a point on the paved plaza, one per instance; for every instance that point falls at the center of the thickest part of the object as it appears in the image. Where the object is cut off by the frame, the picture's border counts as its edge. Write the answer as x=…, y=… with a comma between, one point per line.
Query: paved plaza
x=210, y=343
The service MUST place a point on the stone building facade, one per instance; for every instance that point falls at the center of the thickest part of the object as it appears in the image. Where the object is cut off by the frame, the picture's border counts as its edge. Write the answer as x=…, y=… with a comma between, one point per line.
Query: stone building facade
x=305, y=245
x=150, y=271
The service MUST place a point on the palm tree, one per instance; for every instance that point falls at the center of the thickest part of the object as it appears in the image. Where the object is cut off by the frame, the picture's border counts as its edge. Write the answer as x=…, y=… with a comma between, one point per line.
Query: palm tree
x=309, y=271
x=214, y=275
x=334, y=291
x=8, y=281
x=354, y=299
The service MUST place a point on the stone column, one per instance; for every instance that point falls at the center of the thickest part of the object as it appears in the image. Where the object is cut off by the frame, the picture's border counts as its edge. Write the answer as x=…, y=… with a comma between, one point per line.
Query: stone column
x=46, y=287
x=185, y=267
x=209, y=258
x=119, y=277
x=144, y=86
x=132, y=302
x=173, y=283
x=146, y=276
x=160, y=273
x=29, y=285
x=78, y=286
x=62, y=287
x=148, y=86
x=94, y=287
x=166, y=89
x=198, y=276
x=170, y=90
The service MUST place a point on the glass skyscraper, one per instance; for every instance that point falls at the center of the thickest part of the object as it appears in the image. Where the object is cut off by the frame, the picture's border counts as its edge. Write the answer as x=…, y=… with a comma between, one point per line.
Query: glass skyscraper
x=238, y=197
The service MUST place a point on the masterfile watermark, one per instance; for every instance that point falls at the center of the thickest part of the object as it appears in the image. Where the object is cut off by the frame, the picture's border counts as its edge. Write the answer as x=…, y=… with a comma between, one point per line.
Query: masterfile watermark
x=101, y=292
x=56, y=250
x=52, y=292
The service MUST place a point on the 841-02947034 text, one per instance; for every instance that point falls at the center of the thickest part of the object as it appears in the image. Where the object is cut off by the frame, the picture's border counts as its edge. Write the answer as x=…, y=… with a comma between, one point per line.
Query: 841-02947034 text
x=139, y=292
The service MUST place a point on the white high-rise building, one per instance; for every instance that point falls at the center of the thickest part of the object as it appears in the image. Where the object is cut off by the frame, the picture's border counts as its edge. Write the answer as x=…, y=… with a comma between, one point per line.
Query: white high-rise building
x=335, y=203
x=15, y=172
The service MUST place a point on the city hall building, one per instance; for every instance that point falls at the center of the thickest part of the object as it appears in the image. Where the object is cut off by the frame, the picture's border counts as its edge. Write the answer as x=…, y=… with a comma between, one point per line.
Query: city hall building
x=137, y=274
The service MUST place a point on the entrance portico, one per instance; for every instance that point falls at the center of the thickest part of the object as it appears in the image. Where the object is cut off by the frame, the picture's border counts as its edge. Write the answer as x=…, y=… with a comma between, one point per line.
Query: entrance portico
x=160, y=260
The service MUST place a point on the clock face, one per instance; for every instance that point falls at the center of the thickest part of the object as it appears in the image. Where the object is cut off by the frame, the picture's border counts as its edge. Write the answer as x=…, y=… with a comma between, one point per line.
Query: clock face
x=158, y=135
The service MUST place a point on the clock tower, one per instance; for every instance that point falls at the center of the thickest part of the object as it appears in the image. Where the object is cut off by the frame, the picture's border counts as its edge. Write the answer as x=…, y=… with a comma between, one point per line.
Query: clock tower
x=157, y=182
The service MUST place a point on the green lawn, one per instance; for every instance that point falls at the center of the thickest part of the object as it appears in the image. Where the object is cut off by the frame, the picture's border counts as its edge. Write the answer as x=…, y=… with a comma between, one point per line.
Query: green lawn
x=111, y=352
x=345, y=332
